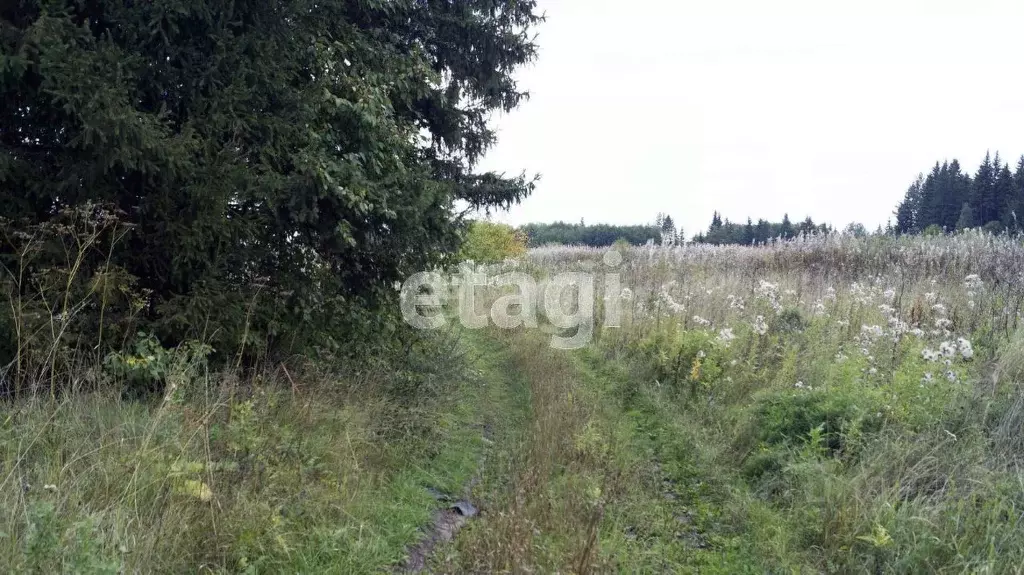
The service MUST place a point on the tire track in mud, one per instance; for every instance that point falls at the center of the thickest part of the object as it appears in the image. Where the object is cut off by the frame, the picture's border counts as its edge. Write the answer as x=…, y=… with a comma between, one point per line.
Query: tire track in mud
x=455, y=512
x=446, y=522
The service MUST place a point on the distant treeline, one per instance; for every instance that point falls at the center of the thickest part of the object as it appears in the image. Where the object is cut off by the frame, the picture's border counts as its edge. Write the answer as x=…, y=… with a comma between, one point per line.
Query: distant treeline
x=599, y=235
x=949, y=199
x=664, y=231
x=725, y=232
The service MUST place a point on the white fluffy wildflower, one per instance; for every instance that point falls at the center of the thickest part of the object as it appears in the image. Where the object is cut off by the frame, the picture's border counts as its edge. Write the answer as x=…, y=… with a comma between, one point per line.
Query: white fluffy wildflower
x=760, y=325
x=966, y=350
x=770, y=293
x=672, y=304
x=862, y=294
x=701, y=321
x=898, y=327
x=725, y=336
x=819, y=308
x=973, y=282
x=947, y=349
x=872, y=330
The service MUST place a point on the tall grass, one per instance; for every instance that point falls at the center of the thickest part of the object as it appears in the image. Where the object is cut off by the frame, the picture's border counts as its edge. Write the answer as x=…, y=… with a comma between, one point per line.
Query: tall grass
x=262, y=471
x=831, y=403
x=868, y=389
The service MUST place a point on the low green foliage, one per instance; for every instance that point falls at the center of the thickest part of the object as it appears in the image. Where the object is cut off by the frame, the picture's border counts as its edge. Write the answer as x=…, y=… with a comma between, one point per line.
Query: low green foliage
x=593, y=235
x=791, y=418
x=829, y=456
x=265, y=472
x=689, y=361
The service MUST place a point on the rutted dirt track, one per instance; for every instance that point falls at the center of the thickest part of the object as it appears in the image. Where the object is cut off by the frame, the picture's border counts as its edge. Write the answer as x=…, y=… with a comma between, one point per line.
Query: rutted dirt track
x=443, y=527
x=566, y=482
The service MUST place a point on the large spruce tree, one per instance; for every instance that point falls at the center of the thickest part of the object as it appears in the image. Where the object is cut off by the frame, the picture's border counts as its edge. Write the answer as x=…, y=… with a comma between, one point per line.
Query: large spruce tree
x=1017, y=202
x=908, y=211
x=282, y=163
x=983, y=192
x=1004, y=195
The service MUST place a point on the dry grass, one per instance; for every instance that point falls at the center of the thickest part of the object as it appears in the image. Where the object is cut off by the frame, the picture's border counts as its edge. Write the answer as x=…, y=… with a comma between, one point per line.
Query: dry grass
x=225, y=475
x=519, y=514
x=867, y=391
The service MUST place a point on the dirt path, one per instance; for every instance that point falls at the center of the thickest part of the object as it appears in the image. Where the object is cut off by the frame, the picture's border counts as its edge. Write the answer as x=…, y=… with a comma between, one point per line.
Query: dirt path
x=499, y=416
x=444, y=525
x=569, y=482
x=582, y=473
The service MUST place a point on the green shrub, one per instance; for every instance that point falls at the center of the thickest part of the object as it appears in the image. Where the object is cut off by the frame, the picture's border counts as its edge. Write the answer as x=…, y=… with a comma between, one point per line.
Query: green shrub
x=145, y=367
x=490, y=242
x=683, y=360
x=789, y=419
x=993, y=227
x=790, y=320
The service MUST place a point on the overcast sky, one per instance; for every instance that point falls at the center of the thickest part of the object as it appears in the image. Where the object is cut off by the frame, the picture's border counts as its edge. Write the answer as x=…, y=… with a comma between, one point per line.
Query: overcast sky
x=756, y=108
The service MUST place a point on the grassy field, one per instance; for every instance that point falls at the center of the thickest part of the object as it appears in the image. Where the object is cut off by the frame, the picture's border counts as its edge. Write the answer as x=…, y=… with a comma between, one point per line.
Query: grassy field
x=839, y=406
x=228, y=476
x=858, y=400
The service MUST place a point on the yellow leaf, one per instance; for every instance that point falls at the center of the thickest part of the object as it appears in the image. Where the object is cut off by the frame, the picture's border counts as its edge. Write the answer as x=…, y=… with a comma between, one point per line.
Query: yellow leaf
x=196, y=489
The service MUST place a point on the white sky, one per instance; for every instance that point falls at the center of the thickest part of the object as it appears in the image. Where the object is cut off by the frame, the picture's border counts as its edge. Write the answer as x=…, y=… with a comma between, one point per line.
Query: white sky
x=755, y=107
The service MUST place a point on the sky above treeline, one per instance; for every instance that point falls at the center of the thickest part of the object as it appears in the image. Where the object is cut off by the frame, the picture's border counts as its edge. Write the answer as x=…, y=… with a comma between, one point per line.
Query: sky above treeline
x=757, y=108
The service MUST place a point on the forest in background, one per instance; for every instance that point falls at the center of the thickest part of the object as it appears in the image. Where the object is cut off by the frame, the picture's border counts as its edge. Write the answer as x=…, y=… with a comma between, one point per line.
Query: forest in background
x=598, y=235
x=949, y=199
x=946, y=200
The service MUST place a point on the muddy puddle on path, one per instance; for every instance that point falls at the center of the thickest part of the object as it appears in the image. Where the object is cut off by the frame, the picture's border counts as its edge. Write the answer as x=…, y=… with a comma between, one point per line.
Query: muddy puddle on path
x=443, y=528
x=447, y=521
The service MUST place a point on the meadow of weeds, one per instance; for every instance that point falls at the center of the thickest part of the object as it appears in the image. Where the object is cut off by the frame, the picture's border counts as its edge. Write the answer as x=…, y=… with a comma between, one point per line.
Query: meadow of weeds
x=828, y=404
x=226, y=471
x=862, y=395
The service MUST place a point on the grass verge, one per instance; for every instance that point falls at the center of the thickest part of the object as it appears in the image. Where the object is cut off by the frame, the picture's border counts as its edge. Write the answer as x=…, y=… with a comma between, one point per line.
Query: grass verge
x=224, y=477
